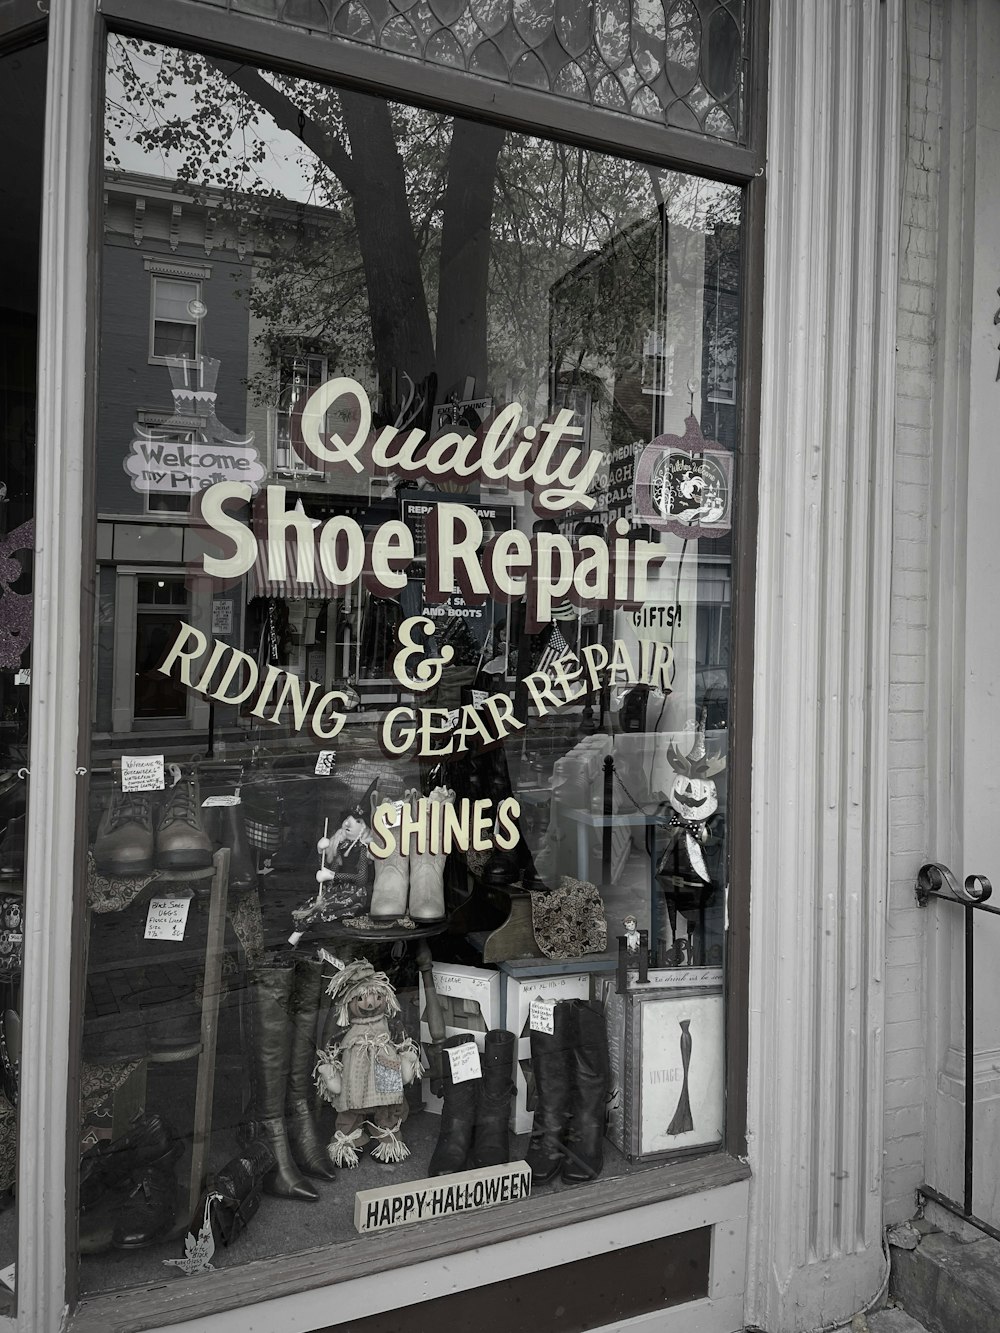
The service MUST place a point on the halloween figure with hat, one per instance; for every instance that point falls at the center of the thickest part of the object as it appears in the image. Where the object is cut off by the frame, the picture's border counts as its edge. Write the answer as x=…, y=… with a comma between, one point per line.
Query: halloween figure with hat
x=692, y=864
x=346, y=873
x=363, y=1069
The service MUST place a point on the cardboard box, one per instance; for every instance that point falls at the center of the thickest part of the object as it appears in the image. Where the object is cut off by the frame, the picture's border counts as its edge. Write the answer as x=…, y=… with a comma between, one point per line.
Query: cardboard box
x=470, y=999
x=667, y=1049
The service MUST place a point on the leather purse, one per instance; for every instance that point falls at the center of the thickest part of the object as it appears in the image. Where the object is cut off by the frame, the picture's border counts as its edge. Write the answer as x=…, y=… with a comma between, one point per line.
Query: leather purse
x=234, y=1192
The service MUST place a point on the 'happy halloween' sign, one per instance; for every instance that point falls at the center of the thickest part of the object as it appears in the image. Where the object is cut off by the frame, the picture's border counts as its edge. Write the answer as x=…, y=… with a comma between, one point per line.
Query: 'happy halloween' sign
x=441, y=1196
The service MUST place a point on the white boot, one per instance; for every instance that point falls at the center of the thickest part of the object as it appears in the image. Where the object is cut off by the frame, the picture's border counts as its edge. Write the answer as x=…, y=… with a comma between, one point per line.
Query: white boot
x=427, y=874
x=391, y=881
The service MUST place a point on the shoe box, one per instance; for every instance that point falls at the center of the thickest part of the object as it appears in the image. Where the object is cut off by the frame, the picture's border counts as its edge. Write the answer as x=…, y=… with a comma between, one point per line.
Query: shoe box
x=470, y=1000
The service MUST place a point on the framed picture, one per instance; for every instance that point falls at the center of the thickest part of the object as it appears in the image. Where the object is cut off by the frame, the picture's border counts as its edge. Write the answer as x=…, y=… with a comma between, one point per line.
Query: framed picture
x=666, y=1044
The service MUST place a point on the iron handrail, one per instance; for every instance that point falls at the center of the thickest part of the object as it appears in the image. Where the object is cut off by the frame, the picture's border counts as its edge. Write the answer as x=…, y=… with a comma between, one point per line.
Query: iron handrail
x=937, y=881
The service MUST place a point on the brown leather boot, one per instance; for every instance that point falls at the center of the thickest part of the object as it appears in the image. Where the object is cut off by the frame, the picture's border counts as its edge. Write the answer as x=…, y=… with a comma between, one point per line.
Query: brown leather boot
x=124, y=842
x=181, y=840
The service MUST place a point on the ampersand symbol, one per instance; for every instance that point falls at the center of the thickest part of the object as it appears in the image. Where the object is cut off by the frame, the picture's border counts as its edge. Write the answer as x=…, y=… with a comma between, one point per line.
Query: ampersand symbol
x=427, y=671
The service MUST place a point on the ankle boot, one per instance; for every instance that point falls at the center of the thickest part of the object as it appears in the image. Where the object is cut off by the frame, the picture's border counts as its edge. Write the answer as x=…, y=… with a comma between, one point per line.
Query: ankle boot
x=124, y=842
x=181, y=840
x=427, y=874
x=392, y=880
x=303, y=1011
x=491, y=1146
x=12, y=849
x=458, y=1116
x=271, y=989
x=551, y=1056
x=591, y=1077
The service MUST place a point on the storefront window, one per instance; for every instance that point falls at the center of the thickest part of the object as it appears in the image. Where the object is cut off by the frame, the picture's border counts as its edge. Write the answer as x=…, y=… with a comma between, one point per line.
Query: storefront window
x=408, y=819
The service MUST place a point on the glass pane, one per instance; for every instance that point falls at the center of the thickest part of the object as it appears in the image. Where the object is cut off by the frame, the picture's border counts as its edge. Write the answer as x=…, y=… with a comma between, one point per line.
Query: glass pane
x=423, y=758
x=172, y=339
x=22, y=105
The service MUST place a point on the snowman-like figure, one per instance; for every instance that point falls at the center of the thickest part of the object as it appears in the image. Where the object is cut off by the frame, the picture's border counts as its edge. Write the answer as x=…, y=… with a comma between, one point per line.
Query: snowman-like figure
x=691, y=865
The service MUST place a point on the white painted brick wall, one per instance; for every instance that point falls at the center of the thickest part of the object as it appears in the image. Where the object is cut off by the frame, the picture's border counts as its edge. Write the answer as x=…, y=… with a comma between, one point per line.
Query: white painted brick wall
x=915, y=369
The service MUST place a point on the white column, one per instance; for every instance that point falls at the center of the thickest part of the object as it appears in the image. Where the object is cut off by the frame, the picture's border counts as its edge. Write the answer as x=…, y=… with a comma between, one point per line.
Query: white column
x=820, y=861
x=55, y=666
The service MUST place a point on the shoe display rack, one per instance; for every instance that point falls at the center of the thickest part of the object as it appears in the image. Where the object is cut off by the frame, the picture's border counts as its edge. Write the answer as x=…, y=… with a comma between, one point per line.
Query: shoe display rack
x=216, y=879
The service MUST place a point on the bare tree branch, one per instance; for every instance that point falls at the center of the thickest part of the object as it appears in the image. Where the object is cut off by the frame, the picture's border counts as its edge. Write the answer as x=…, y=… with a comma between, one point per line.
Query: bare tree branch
x=285, y=115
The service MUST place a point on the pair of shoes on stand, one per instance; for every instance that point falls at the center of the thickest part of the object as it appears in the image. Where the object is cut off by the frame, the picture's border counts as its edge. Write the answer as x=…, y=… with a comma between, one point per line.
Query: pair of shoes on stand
x=411, y=884
x=285, y=1002
x=572, y=1076
x=126, y=843
x=475, y=1116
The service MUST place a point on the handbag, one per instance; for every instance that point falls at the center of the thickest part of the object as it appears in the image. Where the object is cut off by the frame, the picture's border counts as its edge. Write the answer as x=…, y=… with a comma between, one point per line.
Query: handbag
x=234, y=1192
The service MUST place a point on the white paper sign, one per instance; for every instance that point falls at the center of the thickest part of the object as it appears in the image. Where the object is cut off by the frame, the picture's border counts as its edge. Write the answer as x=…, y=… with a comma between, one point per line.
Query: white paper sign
x=479, y=697
x=167, y=918
x=222, y=617
x=22, y=677
x=541, y=1016
x=326, y=762
x=392, y=813
x=142, y=772
x=221, y=800
x=464, y=1062
x=7, y=1275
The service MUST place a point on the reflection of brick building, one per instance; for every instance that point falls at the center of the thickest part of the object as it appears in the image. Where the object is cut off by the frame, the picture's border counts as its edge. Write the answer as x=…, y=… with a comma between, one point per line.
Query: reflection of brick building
x=163, y=253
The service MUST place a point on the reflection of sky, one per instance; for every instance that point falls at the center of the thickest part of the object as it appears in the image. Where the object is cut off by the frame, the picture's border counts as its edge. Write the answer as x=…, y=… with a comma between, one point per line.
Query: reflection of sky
x=288, y=166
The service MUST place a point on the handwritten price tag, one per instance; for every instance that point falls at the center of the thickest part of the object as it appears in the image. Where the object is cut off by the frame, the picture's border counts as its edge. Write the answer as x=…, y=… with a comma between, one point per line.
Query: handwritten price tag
x=479, y=697
x=220, y=800
x=464, y=1062
x=167, y=918
x=326, y=762
x=540, y=1016
x=142, y=772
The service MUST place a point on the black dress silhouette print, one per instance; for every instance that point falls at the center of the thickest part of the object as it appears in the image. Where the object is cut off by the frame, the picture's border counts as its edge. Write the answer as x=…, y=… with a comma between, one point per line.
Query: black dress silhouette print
x=682, y=1121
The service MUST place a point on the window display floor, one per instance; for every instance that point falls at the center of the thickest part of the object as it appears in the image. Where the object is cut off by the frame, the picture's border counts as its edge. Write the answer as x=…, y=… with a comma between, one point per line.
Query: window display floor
x=285, y=1226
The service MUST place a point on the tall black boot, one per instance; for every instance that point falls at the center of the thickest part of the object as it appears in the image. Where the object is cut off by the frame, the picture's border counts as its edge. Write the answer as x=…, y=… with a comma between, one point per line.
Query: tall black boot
x=458, y=1116
x=227, y=828
x=271, y=989
x=591, y=1069
x=488, y=777
x=491, y=1146
x=551, y=1057
x=304, y=1011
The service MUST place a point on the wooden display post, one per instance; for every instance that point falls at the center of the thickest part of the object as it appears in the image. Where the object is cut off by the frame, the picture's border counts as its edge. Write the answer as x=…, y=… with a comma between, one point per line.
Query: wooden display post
x=201, y=1131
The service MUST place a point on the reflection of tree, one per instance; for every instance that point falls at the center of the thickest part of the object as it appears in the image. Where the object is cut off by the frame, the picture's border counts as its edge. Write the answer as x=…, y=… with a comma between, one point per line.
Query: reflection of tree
x=434, y=242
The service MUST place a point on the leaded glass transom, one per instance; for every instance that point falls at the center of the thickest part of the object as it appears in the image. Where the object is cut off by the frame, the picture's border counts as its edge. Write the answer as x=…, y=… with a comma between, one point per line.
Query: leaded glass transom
x=678, y=62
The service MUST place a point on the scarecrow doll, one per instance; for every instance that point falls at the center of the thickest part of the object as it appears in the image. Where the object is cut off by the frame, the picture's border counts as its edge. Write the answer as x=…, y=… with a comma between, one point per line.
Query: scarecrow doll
x=362, y=1071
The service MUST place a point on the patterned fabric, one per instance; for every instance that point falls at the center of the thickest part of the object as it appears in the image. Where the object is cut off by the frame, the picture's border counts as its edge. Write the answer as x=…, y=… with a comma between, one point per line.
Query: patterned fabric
x=570, y=920
x=108, y=893
x=8, y=1144
x=248, y=925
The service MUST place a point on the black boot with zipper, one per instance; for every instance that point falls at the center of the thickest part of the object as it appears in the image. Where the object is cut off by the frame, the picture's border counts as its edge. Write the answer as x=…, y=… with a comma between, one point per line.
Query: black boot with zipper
x=491, y=1144
x=591, y=1073
x=458, y=1115
x=551, y=1063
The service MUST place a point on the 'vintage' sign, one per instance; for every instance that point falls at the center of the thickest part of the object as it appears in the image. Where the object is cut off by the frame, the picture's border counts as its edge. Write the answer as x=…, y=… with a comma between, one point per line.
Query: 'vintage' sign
x=441, y=1196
